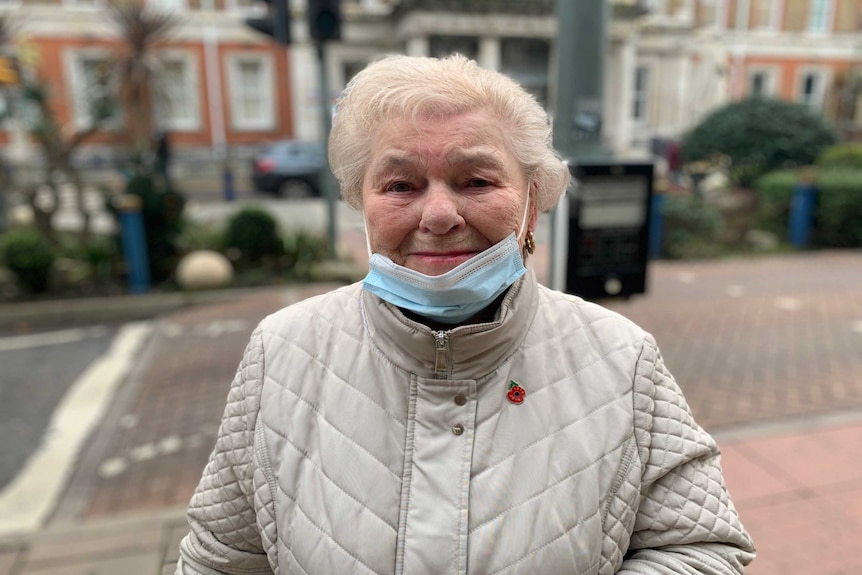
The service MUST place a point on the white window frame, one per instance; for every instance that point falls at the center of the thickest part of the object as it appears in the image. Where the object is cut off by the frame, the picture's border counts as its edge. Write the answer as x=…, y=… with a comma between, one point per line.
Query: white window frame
x=640, y=96
x=771, y=84
x=190, y=89
x=824, y=10
x=266, y=90
x=77, y=87
x=819, y=96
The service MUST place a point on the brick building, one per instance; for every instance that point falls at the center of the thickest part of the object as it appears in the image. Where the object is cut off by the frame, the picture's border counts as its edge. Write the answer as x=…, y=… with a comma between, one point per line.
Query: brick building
x=668, y=62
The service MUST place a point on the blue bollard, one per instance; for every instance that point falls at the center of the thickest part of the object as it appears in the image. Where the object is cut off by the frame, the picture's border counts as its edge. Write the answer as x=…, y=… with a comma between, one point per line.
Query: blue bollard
x=656, y=227
x=802, y=214
x=134, y=243
x=227, y=178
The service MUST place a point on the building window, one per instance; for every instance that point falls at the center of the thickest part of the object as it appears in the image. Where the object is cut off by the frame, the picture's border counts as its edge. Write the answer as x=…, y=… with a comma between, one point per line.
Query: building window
x=812, y=89
x=442, y=46
x=176, y=95
x=819, y=16
x=251, y=96
x=761, y=84
x=640, y=95
x=93, y=90
x=526, y=61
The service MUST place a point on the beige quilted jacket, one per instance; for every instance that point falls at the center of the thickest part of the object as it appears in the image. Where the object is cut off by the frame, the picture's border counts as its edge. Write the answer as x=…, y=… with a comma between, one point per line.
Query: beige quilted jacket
x=357, y=441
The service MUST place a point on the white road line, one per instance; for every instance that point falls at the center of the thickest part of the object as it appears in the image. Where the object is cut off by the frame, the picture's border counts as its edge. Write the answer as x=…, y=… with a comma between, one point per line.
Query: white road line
x=31, y=496
x=17, y=342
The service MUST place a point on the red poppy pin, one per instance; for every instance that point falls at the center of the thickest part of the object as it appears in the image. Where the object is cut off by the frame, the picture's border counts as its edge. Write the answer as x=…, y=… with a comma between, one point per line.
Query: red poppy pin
x=516, y=393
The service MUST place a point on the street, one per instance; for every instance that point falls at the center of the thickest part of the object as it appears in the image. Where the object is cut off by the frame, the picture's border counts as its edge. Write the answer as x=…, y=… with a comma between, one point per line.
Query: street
x=38, y=369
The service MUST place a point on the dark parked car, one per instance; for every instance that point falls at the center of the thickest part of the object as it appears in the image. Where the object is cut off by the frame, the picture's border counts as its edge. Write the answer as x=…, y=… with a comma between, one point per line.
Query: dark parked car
x=289, y=169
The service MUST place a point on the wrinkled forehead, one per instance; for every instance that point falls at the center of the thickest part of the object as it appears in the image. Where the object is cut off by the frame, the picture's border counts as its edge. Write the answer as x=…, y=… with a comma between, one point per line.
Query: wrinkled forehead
x=475, y=135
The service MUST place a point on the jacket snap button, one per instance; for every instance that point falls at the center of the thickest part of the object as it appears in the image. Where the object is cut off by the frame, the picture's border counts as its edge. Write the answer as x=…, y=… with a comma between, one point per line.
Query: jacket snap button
x=460, y=399
x=457, y=429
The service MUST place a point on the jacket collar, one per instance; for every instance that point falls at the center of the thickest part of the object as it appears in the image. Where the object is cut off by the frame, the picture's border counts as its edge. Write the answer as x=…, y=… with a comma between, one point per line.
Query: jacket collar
x=475, y=350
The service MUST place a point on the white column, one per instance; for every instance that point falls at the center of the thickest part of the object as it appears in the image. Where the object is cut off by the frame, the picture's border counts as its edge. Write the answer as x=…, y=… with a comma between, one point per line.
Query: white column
x=489, y=52
x=218, y=139
x=627, y=60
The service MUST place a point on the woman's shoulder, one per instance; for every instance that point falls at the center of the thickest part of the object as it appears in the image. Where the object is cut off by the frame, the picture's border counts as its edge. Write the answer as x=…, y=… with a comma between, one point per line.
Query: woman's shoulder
x=569, y=313
x=333, y=307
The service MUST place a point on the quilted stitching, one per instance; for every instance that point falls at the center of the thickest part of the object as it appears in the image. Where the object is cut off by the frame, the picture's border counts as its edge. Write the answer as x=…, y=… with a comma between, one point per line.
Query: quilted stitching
x=684, y=499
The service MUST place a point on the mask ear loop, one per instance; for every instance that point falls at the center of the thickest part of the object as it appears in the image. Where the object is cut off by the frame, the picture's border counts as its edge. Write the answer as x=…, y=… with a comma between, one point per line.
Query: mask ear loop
x=365, y=229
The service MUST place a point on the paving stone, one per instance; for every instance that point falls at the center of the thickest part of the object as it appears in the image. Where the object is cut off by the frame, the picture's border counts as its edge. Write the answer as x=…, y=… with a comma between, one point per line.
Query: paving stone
x=125, y=564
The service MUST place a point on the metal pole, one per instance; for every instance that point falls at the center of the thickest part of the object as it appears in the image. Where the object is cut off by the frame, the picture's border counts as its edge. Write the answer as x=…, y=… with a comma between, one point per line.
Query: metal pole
x=328, y=183
x=581, y=49
x=578, y=114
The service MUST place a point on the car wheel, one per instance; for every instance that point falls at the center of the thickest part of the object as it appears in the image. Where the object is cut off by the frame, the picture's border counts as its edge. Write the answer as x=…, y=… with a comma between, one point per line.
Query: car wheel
x=295, y=188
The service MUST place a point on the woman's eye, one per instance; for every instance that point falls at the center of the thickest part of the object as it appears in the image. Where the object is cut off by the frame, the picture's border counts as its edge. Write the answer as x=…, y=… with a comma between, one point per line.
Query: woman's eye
x=399, y=187
x=478, y=183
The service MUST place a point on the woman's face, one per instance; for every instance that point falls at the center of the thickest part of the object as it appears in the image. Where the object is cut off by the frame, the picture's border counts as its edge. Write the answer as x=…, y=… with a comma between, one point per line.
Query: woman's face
x=439, y=191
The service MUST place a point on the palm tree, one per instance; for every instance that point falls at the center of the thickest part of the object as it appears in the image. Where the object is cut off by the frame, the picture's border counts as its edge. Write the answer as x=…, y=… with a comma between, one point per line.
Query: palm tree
x=136, y=67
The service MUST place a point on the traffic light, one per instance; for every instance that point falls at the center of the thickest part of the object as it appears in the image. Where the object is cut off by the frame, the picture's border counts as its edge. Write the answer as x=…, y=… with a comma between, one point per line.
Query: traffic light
x=277, y=24
x=324, y=19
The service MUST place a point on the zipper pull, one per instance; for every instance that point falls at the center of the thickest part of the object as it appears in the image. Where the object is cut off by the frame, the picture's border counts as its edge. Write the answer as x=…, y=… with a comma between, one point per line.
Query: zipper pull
x=441, y=358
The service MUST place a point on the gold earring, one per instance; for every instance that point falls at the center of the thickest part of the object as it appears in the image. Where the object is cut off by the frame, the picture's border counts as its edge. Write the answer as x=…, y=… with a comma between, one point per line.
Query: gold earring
x=529, y=242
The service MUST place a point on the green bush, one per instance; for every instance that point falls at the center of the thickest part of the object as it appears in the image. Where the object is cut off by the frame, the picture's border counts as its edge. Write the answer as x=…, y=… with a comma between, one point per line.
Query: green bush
x=302, y=251
x=254, y=234
x=848, y=155
x=838, y=216
x=774, y=194
x=200, y=236
x=692, y=228
x=161, y=209
x=837, y=212
x=29, y=256
x=758, y=135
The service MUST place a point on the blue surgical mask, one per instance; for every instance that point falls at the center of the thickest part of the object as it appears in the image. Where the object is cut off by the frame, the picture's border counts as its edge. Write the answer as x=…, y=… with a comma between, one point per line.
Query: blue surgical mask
x=455, y=296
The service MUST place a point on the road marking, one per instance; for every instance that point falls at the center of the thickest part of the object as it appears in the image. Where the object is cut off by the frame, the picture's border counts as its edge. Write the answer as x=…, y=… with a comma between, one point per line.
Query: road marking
x=51, y=338
x=735, y=290
x=856, y=326
x=26, y=502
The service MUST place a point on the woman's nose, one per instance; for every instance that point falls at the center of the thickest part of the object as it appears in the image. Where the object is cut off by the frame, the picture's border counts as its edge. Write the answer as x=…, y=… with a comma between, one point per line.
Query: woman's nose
x=440, y=211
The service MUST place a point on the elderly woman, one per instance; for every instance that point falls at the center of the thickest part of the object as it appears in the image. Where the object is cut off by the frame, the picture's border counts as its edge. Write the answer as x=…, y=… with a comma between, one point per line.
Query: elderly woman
x=449, y=414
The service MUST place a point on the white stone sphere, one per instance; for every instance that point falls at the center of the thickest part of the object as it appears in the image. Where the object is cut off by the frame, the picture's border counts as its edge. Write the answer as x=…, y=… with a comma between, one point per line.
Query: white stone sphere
x=204, y=269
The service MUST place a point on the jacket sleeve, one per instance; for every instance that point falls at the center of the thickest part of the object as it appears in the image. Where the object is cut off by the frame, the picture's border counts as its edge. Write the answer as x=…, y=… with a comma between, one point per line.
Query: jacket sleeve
x=225, y=537
x=685, y=521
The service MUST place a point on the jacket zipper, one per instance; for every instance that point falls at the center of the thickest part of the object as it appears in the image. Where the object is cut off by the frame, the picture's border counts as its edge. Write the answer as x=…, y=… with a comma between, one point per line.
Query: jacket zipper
x=441, y=357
